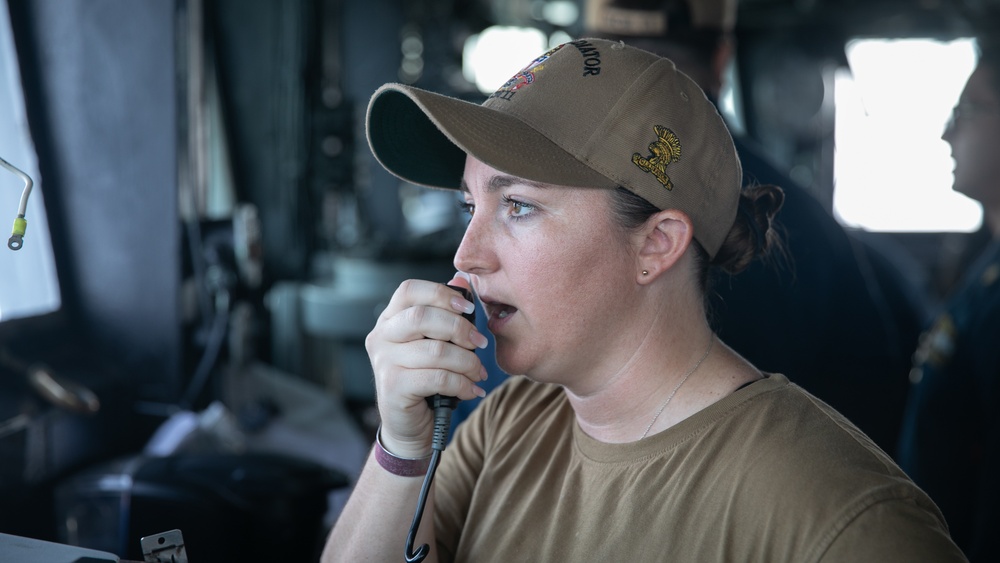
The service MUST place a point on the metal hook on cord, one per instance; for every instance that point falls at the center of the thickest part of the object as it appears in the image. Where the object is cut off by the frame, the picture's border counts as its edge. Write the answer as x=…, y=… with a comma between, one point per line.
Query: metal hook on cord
x=16, y=240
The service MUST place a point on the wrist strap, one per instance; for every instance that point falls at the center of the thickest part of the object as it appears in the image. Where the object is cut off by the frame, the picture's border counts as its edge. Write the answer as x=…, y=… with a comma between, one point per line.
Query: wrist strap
x=402, y=466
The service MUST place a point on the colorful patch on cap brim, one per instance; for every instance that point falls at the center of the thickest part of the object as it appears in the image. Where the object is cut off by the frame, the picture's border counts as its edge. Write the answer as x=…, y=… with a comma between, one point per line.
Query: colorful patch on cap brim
x=524, y=77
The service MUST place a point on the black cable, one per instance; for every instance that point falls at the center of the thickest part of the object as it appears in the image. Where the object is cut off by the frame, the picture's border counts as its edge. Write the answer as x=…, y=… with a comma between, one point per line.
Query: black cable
x=442, y=407
x=419, y=555
x=213, y=348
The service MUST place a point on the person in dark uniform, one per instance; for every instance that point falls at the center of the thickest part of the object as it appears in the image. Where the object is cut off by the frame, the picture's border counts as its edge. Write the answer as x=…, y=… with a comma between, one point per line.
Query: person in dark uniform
x=828, y=317
x=950, y=442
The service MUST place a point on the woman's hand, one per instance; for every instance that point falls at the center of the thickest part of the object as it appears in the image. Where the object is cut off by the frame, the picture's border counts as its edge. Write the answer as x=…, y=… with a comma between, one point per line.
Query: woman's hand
x=422, y=346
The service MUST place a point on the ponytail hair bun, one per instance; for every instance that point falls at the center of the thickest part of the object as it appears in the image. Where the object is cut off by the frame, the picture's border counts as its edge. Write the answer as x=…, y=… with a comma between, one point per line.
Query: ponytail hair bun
x=753, y=235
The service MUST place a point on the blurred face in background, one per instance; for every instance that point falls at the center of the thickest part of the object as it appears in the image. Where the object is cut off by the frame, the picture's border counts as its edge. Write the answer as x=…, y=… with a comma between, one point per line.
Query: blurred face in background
x=974, y=135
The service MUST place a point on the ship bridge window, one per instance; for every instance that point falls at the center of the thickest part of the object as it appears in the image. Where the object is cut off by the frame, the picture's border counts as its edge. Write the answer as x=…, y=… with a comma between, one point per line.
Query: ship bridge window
x=892, y=170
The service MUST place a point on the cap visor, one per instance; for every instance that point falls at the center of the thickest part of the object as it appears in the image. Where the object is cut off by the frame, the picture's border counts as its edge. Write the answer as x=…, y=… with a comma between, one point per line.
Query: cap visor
x=423, y=137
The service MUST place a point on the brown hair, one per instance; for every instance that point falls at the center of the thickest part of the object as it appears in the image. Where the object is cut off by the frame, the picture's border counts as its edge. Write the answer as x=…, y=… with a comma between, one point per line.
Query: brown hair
x=753, y=235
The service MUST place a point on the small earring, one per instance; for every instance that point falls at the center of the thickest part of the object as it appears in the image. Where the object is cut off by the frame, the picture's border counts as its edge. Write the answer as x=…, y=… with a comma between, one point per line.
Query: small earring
x=645, y=272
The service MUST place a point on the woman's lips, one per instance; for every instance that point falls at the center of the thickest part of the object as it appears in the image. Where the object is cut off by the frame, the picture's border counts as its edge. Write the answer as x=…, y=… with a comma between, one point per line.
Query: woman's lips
x=498, y=314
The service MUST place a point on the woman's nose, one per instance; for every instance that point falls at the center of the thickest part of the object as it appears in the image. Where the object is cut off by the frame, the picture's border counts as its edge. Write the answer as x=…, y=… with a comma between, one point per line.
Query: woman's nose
x=473, y=255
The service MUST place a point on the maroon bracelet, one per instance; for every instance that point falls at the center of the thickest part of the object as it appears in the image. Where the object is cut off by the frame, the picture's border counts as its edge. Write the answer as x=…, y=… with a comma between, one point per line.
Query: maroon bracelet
x=402, y=466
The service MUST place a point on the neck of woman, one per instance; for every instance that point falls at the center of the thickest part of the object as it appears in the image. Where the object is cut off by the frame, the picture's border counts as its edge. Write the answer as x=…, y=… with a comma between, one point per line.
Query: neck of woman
x=658, y=381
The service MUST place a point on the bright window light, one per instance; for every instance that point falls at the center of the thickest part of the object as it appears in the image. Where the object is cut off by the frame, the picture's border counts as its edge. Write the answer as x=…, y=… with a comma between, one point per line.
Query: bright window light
x=892, y=170
x=28, y=282
x=562, y=13
x=491, y=57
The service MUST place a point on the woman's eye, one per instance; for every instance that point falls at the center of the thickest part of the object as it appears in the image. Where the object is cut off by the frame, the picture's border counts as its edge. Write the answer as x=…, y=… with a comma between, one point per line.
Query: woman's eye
x=518, y=209
x=467, y=208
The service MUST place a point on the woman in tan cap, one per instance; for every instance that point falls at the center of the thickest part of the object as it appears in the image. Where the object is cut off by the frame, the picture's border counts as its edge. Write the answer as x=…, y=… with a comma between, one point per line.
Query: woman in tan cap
x=602, y=188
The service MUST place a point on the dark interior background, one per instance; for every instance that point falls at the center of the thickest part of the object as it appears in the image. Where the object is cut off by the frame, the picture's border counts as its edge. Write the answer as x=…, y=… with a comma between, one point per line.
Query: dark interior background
x=167, y=130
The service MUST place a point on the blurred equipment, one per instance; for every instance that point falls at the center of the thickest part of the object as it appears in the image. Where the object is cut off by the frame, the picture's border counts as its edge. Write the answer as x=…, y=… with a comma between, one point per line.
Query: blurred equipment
x=319, y=328
x=28, y=550
x=233, y=507
x=258, y=475
x=167, y=547
x=60, y=391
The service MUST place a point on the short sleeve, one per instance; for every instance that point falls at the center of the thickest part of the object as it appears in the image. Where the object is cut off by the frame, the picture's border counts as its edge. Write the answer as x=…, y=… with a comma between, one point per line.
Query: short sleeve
x=894, y=530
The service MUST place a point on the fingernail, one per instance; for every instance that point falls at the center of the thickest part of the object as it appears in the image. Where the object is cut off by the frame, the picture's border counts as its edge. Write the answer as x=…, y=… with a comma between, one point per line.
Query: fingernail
x=483, y=374
x=462, y=305
x=478, y=339
x=479, y=392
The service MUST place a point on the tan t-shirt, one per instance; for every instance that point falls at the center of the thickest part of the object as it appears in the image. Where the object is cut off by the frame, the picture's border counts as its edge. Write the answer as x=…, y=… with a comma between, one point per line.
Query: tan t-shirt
x=768, y=473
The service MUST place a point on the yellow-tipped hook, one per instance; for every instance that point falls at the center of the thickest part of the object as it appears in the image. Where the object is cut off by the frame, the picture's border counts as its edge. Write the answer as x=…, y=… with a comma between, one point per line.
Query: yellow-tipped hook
x=16, y=240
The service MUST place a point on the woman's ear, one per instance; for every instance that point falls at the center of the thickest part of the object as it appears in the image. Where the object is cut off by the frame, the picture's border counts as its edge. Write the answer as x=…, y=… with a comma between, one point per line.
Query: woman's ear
x=662, y=241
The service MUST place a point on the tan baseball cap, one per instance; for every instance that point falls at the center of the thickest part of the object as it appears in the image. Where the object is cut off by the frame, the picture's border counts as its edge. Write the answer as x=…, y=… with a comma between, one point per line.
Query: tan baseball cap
x=589, y=113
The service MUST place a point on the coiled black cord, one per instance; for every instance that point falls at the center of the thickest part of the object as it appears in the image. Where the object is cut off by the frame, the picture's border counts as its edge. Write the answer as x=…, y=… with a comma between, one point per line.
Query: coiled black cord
x=442, y=407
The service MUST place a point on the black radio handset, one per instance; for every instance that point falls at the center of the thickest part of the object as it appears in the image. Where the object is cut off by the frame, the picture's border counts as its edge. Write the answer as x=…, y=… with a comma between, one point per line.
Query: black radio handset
x=442, y=406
